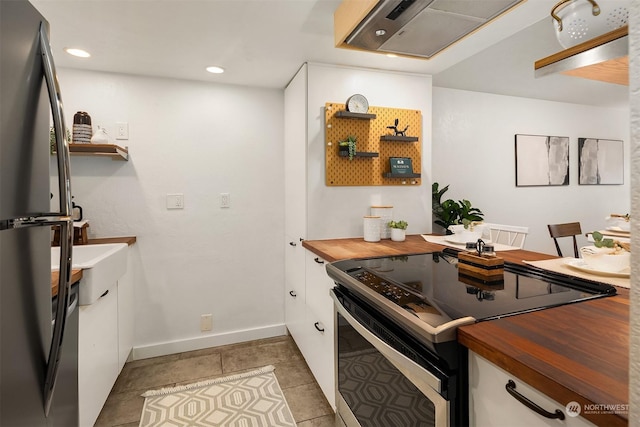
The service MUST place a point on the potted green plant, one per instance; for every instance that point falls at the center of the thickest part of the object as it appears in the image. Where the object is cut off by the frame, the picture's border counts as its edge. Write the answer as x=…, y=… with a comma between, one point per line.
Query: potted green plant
x=450, y=212
x=398, y=230
x=348, y=145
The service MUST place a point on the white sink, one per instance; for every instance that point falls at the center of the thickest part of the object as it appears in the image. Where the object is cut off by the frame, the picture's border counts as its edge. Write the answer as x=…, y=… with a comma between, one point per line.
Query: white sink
x=102, y=266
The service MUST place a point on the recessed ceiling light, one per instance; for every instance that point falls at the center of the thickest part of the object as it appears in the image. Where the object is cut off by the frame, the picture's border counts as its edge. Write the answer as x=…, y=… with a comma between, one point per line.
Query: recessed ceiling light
x=77, y=52
x=392, y=55
x=215, y=70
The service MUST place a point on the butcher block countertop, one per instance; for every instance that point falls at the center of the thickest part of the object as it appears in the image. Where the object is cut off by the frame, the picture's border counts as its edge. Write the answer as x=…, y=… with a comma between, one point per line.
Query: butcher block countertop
x=76, y=274
x=576, y=352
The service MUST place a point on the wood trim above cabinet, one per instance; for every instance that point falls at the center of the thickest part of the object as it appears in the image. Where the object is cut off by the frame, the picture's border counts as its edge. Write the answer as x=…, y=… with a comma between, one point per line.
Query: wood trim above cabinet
x=346, y=18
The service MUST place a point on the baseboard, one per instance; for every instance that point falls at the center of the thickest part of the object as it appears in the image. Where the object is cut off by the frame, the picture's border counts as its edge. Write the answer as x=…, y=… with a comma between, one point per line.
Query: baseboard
x=234, y=337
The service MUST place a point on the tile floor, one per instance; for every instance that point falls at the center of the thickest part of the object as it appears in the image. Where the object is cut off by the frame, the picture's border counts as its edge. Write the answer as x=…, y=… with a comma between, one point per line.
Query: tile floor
x=304, y=396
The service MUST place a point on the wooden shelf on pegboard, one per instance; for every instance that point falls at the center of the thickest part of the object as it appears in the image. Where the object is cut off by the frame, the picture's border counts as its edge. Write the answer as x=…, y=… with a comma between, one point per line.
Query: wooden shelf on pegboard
x=350, y=115
x=372, y=134
x=401, y=175
x=359, y=154
x=398, y=138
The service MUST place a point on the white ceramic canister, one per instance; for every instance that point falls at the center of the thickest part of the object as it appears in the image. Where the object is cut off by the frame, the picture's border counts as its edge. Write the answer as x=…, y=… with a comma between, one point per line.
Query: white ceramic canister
x=386, y=214
x=371, y=228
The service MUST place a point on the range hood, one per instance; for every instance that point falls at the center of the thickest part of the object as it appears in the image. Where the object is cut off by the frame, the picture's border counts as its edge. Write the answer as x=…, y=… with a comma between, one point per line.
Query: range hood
x=421, y=28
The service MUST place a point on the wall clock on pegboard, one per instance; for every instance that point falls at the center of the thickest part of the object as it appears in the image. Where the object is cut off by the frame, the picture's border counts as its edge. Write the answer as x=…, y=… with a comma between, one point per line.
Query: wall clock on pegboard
x=357, y=104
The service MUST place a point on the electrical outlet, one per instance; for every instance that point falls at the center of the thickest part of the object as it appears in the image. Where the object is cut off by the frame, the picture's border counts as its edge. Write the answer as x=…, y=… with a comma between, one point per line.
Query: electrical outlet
x=175, y=201
x=206, y=322
x=225, y=200
x=122, y=130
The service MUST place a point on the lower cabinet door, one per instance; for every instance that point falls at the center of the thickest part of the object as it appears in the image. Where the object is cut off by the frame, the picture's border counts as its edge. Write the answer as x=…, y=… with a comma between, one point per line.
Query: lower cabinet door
x=126, y=313
x=321, y=357
x=97, y=354
x=491, y=404
x=294, y=308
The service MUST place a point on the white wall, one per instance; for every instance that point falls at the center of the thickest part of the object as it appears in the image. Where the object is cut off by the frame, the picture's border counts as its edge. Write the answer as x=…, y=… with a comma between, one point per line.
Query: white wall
x=334, y=212
x=474, y=148
x=201, y=140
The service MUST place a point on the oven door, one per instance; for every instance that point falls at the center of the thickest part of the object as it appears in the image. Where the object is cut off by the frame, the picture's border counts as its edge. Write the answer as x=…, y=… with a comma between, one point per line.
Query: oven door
x=377, y=385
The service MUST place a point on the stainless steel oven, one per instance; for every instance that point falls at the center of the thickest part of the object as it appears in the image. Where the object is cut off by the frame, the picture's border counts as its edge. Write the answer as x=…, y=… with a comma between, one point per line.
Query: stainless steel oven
x=398, y=362
x=385, y=378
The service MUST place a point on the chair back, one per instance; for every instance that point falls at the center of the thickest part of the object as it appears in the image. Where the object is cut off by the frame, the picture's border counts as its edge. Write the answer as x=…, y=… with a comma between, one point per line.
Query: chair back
x=512, y=235
x=569, y=229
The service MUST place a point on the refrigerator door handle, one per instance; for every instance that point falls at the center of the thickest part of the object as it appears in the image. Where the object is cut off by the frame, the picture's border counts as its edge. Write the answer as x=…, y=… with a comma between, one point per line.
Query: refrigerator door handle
x=66, y=225
x=62, y=148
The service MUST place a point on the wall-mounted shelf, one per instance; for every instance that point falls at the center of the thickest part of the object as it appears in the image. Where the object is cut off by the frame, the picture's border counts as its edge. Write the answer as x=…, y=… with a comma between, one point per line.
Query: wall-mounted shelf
x=349, y=115
x=370, y=130
x=344, y=153
x=107, y=150
x=398, y=138
x=401, y=175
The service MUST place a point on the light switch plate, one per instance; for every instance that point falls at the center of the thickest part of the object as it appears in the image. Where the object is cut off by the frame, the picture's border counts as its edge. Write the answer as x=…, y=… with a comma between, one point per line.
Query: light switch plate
x=122, y=130
x=175, y=201
x=225, y=200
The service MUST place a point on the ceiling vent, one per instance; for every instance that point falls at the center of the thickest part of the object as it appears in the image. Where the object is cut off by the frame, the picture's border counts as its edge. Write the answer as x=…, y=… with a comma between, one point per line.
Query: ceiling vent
x=423, y=28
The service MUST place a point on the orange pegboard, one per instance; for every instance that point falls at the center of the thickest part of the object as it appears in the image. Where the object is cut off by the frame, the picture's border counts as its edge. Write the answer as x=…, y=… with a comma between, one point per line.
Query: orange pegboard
x=369, y=170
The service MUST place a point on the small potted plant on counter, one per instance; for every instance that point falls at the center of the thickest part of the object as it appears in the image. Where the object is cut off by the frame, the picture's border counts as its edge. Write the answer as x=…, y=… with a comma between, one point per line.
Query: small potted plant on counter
x=398, y=230
x=348, y=145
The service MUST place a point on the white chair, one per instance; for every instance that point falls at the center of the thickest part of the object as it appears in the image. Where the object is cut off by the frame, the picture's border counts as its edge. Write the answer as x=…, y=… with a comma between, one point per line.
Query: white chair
x=512, y=235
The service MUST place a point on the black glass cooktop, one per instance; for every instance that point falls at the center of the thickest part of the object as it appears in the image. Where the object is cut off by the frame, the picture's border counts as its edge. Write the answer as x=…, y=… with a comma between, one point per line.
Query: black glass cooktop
x=432, y=288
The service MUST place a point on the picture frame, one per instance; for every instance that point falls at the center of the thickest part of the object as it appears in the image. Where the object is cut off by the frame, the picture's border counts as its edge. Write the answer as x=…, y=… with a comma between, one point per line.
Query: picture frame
x=600, y=161
x=541, y=160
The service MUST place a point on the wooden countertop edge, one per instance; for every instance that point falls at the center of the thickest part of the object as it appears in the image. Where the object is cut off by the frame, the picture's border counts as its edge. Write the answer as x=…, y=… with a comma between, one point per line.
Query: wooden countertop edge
x=76, y=275
x=129, y=240
x=537, y=380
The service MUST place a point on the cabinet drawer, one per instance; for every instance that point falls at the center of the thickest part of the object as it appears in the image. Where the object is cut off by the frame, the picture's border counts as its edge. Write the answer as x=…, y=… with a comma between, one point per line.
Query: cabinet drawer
x=320, y=356
x=491, y=405
x=97, y=354
x=318, y=284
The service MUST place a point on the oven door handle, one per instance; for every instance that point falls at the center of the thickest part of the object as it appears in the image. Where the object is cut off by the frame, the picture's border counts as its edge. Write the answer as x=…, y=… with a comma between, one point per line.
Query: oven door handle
x=424, y=380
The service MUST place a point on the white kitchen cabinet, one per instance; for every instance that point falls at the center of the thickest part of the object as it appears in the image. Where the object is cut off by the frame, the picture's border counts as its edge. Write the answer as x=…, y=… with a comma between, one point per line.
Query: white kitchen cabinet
x=491, y=405
x=308, y=306
x=309, y=318
x=295, y=156
x=105, y=340
x=125, y=314
x=319, y=323
x=294, y=296
x=97, y=354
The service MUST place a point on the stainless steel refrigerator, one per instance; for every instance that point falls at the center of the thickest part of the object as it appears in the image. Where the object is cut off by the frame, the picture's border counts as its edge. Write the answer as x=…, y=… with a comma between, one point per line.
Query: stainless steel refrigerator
x=38, y=333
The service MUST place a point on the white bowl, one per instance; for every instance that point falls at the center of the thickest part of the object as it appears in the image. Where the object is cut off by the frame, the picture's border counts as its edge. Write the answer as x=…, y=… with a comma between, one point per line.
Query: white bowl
x=620, y=223
x=606, y=259
x=465, y=235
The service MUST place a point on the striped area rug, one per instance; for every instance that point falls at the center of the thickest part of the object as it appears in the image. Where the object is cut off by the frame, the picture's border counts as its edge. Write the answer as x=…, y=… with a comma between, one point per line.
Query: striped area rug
x=251, y=399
